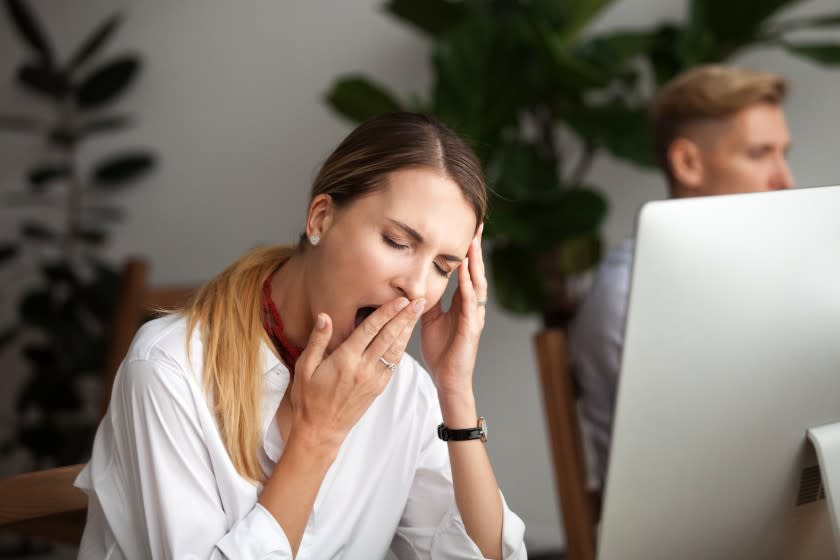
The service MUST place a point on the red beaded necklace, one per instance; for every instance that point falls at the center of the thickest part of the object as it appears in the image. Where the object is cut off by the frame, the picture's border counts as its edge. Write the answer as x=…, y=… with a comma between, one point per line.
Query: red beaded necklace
x=274, y=327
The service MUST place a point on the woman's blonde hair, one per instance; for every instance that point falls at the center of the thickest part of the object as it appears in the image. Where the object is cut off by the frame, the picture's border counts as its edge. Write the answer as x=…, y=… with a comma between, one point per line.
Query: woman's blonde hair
x=704, y=93
x=227, y=309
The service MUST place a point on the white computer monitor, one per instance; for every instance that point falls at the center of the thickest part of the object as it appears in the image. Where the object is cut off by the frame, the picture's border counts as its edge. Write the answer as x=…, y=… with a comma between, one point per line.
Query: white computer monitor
x=732, y=353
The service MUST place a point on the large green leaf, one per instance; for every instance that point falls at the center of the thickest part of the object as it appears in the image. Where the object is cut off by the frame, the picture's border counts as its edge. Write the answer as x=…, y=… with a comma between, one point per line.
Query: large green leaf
x=99, y=295
x=570, y=73
x=564, y=215
x=568, y=18
x=429, y=16
x=36, y=309
x=827, y=54
x=516, y=283
x=480, y=80
x=69, y=135
x=738, y=22
x=545, y=219
x=59, y=272
x=121, y=169
x=29, y=29
x=95, y=41
x=36, y=232
x=579, y=254
x=42, y=439
x=666, y=55
x=518, y=169
x=107, y=82
x=63, y=136
x=611, y=52
x=39, y=177
x=357, y=98
x=622, y=130
x=42, y=356
x=50, y=391
x=43, y=80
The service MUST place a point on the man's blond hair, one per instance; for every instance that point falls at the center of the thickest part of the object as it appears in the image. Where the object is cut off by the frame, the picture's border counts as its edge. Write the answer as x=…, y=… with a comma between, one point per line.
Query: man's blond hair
x=709, y=92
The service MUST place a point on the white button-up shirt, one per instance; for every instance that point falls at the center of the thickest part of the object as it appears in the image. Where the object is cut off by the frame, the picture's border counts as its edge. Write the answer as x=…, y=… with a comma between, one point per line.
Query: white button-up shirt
x=161, y=483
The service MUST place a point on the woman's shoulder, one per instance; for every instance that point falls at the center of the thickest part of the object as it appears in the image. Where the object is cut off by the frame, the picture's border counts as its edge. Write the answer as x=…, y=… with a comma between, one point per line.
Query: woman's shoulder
x=164, y=335
x=161, y=346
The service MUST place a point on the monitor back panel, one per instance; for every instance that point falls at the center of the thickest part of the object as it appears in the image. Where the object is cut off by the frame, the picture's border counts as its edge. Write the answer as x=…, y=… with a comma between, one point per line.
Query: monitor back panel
x=732, y=351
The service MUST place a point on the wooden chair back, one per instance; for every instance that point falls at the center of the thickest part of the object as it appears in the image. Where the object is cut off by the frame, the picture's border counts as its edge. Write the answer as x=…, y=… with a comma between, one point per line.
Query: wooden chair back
x=579, y=506
x=44, y=504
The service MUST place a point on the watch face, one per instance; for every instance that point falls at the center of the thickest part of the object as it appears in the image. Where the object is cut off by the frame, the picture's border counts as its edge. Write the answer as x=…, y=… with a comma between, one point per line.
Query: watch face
x=482, y=424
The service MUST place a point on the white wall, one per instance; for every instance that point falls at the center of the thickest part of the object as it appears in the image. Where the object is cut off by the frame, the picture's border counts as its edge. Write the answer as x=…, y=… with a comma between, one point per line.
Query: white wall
x=231, y=99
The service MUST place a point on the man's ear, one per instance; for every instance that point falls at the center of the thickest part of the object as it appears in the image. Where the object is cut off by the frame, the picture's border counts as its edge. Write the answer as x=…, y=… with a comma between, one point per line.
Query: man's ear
x=686, y=164
x=320, y=217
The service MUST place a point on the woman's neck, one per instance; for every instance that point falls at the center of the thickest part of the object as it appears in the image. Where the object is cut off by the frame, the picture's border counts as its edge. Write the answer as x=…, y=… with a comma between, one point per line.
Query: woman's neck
x=289, y=295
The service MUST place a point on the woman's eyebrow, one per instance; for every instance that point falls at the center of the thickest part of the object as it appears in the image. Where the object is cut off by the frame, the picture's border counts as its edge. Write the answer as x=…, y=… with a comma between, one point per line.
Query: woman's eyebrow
x=414, y=234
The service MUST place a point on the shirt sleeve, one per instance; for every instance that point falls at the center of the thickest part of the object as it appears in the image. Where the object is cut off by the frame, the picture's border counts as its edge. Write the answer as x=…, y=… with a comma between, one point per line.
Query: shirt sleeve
x=431, y=526
x=158, y=493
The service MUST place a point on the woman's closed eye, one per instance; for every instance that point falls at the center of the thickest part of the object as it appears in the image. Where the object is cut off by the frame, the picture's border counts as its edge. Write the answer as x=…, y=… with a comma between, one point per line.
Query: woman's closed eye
x=402, y=247
x=395, y=244
x=442, y=271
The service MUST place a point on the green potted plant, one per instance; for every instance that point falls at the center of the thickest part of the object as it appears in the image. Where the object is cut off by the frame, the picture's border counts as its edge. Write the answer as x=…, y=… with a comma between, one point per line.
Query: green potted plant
x=539, y=99
x=64, y=313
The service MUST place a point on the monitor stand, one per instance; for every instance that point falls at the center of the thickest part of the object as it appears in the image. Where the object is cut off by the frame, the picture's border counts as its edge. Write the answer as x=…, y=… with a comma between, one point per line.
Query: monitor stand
x=826, y=440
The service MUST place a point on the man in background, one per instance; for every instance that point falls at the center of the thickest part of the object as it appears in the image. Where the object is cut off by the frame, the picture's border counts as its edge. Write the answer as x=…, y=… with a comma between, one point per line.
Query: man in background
x=717, y=130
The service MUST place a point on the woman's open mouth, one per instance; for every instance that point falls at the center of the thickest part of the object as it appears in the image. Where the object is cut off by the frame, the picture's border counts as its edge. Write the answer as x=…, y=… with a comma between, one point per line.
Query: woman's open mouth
x=362, y=313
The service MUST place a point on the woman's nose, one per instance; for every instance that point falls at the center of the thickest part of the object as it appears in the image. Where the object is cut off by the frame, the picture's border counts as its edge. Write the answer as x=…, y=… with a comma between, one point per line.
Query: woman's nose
x=413, y=283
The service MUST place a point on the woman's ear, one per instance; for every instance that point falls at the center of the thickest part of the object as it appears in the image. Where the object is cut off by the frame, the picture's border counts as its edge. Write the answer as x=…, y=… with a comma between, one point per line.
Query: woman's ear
x=320, y=218
x=686, y=164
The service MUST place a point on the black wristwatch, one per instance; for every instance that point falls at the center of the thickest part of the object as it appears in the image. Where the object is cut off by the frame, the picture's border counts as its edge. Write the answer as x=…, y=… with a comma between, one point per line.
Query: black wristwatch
x=479, y=432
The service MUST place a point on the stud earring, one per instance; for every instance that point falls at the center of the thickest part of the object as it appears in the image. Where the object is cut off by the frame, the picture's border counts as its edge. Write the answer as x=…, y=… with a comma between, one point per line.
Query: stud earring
x=314, y=239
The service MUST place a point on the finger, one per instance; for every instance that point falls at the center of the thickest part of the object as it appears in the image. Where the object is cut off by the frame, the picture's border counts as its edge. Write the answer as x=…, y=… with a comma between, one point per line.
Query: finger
x=395, y=352
x=313, y=353
x=362, y=335
x=477, y=271
x=466, y=291
x=392, y=331
x=433, y=314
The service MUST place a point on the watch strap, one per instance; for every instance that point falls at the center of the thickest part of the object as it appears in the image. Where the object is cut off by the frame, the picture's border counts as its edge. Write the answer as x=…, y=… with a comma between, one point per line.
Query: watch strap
x=448, y=434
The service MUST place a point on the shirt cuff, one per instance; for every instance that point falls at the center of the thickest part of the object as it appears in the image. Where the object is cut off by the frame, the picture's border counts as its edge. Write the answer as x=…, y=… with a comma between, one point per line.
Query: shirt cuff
x=452, y=541
x=257, y=535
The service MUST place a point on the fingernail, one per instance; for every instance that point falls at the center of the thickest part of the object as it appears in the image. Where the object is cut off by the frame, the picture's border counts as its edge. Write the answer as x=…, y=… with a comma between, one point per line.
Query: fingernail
x=419, y=305
x=401, y=304
x=322, y=321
